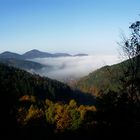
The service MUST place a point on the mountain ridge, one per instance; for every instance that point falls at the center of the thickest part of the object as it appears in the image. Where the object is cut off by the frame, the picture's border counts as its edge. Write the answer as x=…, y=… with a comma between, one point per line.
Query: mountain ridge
x=22, y=64
x=36, y=54
x=8, y=54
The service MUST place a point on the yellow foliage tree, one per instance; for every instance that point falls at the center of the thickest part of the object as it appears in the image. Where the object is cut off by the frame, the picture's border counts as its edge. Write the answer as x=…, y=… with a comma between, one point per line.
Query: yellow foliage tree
x=62, y=118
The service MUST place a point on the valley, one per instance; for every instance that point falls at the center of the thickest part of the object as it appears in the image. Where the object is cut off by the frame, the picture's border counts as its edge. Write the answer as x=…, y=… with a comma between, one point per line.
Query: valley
x=69, y=69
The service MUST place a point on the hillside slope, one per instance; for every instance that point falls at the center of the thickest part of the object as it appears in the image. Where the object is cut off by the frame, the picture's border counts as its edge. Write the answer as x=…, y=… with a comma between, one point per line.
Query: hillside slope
x=17, y=83
x=22, y=64
x=24, y=98
x=8, y=54
x=103, y=79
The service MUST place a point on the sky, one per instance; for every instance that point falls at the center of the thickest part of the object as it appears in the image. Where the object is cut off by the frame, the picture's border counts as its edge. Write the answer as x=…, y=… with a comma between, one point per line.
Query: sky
x=72, y=26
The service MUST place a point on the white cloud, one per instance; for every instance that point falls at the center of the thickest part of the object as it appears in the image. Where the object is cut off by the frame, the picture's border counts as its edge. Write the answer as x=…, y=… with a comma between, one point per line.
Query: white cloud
x=70, y=68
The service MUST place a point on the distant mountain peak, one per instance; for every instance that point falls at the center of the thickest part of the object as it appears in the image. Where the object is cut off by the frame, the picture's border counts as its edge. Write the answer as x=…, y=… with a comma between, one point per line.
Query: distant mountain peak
x=81, y=54
x=36, y=54
x=33, y=51
x=8, y=54
x=61, y=54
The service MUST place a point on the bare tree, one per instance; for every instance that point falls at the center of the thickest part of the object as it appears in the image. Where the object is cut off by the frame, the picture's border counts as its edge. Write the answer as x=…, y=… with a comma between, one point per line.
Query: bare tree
x=131, y=51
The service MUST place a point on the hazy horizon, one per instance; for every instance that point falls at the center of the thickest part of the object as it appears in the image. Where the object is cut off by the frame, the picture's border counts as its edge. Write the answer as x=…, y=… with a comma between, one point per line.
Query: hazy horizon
x=51, y=52
x=68, y=52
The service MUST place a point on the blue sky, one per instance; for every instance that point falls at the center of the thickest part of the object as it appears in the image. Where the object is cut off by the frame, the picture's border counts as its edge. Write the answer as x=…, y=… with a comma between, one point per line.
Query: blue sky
x=74, y=26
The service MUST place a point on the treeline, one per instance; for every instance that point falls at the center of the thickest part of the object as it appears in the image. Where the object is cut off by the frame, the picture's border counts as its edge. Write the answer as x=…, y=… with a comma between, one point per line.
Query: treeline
x=54, y=119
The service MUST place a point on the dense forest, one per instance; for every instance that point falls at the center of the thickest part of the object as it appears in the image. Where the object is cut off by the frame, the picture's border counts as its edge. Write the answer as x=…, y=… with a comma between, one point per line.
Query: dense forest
x=105, y=79
x=22, y=64
x=35, y=107
x=30, y=101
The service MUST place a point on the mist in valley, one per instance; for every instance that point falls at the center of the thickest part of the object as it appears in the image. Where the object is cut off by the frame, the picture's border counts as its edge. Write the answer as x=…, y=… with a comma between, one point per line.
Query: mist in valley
x=67, y=69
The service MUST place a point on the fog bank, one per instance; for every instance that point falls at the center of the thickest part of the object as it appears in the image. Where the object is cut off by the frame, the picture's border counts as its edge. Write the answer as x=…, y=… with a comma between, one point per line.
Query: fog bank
x=71, y=68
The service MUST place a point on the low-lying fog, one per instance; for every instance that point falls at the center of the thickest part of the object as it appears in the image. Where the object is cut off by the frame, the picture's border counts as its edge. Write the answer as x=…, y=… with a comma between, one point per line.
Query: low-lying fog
x=70, y=68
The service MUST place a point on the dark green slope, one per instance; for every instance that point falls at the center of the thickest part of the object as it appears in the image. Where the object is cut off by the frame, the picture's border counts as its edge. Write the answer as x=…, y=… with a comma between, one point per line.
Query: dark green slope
x=17, y=83
x=22, y=91
x=103, y=79
x=22, y=64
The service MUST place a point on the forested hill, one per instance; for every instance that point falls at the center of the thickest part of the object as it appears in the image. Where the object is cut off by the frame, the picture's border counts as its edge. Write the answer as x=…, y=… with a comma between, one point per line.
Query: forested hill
x=22, y=64
x=37, y=107
x=20, y=83
x=105, y=79
x=32, y=106
x=16, y=83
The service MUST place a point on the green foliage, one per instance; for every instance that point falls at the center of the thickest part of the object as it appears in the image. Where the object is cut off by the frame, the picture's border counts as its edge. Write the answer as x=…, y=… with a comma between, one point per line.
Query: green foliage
x=76, y=120
x=67, y=117
x=50, y=113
